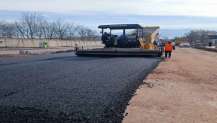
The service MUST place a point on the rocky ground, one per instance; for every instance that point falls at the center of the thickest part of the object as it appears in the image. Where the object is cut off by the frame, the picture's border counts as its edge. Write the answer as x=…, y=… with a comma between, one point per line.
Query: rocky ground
x=182, y=90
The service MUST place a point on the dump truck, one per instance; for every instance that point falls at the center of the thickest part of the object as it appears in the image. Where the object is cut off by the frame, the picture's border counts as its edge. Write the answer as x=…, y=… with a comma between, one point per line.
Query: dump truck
x=138, y=41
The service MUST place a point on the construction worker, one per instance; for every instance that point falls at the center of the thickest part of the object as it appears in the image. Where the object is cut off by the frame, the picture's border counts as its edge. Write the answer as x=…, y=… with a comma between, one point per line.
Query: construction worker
x=160, y=45
x=168, y=48
x=76, y=47
x=105, y=37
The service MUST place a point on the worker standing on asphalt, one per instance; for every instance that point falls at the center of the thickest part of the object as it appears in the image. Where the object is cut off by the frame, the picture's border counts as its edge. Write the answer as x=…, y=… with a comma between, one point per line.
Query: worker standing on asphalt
x=168, y=48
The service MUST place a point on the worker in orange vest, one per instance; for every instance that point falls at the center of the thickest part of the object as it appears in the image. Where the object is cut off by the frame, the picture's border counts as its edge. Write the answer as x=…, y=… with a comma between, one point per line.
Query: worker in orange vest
x=168, y=48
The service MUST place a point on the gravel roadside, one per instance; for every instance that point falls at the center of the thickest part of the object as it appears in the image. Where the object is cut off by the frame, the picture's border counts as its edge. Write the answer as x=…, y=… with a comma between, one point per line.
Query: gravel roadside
x=182, y=90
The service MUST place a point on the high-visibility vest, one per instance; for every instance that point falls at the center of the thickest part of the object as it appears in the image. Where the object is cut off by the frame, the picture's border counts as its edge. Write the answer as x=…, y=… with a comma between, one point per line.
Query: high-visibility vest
x=168, y=47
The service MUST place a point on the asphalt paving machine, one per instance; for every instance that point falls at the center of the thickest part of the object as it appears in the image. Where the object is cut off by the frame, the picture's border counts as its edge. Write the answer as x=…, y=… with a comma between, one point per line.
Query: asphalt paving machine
x=139, y=41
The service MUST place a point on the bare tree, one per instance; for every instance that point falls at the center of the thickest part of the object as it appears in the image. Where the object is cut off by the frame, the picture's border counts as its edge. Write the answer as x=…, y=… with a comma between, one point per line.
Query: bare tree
x=91, y=32
x=35, y=26
x=60, y=29
x=29, y=21
x=7, y=30
x=20, y=30
x=82, y=32
x=70, y=31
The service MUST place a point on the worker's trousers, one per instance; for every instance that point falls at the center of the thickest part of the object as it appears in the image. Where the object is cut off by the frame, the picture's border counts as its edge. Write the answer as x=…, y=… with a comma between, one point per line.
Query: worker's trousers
x=168, y=54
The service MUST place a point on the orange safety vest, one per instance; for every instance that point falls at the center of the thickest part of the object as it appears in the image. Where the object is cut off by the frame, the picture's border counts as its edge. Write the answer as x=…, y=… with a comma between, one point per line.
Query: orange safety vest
x=168, y=47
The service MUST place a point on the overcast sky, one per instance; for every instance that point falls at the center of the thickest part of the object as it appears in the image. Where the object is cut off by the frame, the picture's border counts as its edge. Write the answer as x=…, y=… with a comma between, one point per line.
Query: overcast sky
x=140, y=7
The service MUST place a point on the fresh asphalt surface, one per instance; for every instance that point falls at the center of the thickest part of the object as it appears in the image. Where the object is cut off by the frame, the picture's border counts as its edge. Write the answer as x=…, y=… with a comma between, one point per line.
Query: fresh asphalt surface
x=64, y=88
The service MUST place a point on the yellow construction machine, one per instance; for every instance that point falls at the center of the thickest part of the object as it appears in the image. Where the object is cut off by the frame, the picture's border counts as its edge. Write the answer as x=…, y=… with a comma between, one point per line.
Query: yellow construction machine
x=140, y=41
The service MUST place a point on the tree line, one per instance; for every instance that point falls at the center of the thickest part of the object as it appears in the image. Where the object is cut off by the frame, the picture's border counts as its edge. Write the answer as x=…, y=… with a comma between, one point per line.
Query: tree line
x=200, y=38
x=35, y=26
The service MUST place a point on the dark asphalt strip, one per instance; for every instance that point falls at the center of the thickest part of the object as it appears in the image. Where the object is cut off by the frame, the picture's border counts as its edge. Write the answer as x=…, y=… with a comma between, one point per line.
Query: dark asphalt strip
x=64, y=89
x=113, y=113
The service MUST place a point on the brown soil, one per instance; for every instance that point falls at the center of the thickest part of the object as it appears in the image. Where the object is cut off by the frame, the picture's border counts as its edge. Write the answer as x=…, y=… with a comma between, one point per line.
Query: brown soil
x=182, y=90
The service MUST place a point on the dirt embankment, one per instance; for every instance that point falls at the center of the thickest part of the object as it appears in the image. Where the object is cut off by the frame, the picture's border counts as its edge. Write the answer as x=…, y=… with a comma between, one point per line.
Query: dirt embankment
x=183, y=90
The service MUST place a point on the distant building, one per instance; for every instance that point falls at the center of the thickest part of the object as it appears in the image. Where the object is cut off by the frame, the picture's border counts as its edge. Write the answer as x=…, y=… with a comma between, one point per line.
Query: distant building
x=212, y=40
x=203, y=39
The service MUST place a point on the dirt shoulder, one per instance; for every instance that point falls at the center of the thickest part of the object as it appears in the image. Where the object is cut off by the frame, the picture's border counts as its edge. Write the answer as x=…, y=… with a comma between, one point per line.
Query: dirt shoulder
x=184, y=91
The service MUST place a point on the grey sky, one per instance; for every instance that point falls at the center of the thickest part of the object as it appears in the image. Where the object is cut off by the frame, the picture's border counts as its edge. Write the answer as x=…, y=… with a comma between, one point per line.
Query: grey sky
x=141, y=7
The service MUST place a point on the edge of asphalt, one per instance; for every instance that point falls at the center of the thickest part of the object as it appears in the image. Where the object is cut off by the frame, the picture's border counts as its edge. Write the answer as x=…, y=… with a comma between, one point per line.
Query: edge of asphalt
x=134, y=86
